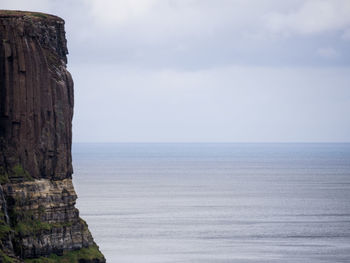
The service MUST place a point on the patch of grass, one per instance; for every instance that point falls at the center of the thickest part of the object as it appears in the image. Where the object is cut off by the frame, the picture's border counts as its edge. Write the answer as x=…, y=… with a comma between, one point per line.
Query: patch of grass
x=24, y=13
x=89, y=253
x=27, y=224
x=19, y=172
x=7, y=12
x=4, y=177
x=31, y=226
x=4, y=230
x=40, y=15
x=5, y=258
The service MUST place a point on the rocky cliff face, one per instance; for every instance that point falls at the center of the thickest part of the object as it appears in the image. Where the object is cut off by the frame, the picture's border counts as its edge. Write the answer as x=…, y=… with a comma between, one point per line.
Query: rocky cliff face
x=38, y=218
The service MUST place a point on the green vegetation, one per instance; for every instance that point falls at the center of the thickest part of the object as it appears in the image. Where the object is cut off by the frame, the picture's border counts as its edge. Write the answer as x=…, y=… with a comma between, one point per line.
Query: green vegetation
x=4, y=177
x=27, y=224
x=31, y=226
x=26, y=13
x=89, y=253
x=8, y=12
x=40, y=15
x=4, y=230
x=5, y=258
x=19, y=172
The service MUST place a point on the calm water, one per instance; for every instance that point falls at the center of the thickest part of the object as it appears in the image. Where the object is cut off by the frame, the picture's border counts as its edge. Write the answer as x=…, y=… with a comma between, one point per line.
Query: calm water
x=216, y=202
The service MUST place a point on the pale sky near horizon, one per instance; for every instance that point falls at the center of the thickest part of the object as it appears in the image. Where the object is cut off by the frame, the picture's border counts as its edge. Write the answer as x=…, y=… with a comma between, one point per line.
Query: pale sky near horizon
x=206, y=71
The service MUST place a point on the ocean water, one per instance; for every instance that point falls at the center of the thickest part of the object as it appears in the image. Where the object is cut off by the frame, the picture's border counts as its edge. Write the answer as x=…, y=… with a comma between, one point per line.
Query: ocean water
x=216, y=203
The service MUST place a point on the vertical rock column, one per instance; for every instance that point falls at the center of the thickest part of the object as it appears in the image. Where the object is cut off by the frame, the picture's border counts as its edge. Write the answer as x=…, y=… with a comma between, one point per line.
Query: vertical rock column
x=37, y=198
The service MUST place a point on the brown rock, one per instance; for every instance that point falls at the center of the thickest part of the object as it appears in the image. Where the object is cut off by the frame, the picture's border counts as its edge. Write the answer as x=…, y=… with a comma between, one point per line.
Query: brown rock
x=37, y=197
x=36, y=92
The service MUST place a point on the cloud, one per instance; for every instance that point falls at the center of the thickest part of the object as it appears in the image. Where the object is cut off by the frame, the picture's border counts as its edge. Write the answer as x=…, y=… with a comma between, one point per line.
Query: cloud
x=346, y=34
x=182, y=18
x=312, y=17
x=187, y=34
x=222, y=104
x=197, y=34
x=32, y=5
x=204, y=70
x=115, y=12
x=328, y=52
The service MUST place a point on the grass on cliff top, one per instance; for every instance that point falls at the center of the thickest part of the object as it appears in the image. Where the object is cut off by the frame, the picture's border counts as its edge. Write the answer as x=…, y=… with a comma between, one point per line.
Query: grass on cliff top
x=27, y=13
x=89, y=253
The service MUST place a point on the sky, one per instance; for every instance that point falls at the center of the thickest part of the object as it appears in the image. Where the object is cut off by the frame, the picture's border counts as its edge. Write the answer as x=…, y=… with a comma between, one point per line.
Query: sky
x=205, y=70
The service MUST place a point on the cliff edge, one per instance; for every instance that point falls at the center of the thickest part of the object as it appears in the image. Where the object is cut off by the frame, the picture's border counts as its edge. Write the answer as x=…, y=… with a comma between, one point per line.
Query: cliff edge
x=38, y=218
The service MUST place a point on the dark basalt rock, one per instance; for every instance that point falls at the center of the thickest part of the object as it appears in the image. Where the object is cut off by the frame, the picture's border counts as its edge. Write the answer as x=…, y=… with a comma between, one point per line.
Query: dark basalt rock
x=36, y=94
x=37, y=199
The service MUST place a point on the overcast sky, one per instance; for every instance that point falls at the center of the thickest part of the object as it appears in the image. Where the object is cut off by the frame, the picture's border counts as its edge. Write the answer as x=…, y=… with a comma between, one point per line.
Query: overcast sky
x=207, y=70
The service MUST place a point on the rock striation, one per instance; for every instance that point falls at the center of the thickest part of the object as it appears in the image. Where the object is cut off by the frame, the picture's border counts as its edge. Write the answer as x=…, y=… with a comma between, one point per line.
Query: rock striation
x=38, y=218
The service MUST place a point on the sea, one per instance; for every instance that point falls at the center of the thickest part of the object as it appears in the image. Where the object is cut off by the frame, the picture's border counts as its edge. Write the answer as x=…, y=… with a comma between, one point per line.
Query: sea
x=216, y=202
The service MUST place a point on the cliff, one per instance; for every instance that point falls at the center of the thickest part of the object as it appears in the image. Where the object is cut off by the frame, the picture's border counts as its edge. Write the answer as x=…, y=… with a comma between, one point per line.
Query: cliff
x=38, y=218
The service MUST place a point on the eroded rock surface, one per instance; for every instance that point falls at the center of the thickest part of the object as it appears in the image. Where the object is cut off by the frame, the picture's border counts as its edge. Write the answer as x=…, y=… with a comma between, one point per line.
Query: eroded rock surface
x=37, y=199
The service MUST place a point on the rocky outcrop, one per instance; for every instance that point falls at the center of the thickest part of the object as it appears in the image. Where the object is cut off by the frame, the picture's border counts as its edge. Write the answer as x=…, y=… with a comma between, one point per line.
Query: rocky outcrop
x=38, y=218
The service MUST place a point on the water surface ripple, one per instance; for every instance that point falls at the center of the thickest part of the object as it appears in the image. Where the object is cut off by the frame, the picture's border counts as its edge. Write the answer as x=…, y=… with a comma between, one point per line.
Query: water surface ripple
x=216, y=203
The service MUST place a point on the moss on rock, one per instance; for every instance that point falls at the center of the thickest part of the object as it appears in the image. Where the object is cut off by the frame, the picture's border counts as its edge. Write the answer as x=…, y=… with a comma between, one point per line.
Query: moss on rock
x=86, y=255
x=19, y=172
x=6, y=259
x=4, y=177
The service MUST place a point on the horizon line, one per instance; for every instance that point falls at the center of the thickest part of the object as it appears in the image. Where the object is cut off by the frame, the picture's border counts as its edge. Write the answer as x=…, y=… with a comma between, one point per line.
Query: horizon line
x=211, y=142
